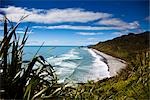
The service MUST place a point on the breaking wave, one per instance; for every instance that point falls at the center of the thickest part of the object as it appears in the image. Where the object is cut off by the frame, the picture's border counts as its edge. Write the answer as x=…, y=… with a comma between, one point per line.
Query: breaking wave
x=65, y=64
x=79, y=65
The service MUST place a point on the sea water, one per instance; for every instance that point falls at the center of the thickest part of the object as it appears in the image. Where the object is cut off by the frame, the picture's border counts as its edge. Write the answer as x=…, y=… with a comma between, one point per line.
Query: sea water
x=71, y=63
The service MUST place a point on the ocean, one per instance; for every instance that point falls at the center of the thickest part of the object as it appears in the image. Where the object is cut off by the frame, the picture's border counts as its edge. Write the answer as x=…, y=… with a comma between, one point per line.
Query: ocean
x=71, y=63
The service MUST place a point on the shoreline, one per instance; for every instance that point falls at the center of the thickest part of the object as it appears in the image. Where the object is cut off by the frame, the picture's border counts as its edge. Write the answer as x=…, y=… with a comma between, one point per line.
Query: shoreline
x=114, y=64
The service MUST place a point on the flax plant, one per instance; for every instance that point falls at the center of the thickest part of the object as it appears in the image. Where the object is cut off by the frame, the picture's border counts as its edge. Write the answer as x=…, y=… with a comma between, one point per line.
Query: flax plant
x=24, y=79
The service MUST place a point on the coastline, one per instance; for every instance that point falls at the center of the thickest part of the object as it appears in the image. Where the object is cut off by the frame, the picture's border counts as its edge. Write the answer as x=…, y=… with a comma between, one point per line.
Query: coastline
x=114, y=64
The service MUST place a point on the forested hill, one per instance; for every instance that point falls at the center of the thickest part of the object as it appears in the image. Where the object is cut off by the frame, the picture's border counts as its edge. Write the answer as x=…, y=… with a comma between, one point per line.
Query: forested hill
x=125, y=46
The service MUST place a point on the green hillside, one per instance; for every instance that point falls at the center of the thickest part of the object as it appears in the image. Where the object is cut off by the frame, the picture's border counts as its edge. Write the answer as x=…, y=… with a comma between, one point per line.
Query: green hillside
x=125, y=46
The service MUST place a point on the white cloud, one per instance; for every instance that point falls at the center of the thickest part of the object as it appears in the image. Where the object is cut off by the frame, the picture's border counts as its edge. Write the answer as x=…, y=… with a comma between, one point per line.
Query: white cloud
x=91, y=43
x=8, y=27
x=53, y=15
x=93, y=39
x=1, y=28
x=118, y=23
x=1, y=37
x=113, y=21
x=34, y=42
x=79, y=27
x=118, y=33
x=88, y=41
x=22, y=32
x=88, y=33
x=147, y=18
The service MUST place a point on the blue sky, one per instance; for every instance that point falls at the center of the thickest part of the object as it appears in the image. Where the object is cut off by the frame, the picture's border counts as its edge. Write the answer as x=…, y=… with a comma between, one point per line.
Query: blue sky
x=77, y=22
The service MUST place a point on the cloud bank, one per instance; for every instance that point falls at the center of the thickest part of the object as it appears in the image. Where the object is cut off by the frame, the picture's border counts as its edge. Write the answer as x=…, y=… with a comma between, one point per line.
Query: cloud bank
x=88, y=33
x=71, y=27
x=105, y=21
x=118, y=23
x=53, y=15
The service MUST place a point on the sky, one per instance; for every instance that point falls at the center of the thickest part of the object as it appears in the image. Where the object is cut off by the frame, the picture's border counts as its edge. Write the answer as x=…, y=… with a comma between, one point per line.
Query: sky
x=76, y=22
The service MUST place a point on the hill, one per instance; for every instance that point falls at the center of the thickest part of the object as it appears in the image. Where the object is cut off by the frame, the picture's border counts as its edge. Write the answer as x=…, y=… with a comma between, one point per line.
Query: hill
x=125, y=46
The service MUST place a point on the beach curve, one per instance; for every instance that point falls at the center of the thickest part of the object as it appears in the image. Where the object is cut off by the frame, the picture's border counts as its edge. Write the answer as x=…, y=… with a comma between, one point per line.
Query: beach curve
x=114, y=64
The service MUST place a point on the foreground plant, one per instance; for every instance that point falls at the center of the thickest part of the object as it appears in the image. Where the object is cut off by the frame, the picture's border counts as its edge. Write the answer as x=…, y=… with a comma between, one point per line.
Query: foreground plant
x=24, y=79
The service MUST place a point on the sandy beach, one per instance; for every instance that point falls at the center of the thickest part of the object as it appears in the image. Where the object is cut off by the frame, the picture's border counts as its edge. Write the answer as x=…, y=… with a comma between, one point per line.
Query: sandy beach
x=114, y=64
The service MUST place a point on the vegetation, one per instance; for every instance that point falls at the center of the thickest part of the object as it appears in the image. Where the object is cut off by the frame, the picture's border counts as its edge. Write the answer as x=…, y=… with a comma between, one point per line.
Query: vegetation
x=36, y=79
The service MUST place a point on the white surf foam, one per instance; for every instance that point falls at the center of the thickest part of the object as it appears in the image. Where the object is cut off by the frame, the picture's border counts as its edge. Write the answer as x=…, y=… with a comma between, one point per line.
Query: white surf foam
x=65, y=64
x=95, y=70
x=99, y=69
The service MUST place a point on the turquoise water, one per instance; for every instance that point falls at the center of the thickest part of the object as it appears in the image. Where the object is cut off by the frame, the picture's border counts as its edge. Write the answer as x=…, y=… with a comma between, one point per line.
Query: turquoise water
x=71, y=63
